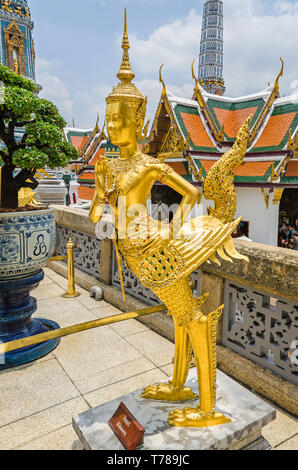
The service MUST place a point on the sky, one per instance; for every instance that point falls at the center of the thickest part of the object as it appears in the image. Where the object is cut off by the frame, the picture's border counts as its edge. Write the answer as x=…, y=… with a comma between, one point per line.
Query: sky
x=78, y=49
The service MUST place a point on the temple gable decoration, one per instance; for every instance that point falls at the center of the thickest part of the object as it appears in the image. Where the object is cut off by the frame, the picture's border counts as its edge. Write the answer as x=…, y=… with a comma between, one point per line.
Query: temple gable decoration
x=14, y=41
x=17, y=51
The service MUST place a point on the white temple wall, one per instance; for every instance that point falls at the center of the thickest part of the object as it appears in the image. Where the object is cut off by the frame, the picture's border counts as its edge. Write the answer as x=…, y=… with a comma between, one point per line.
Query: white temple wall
x=263, y=222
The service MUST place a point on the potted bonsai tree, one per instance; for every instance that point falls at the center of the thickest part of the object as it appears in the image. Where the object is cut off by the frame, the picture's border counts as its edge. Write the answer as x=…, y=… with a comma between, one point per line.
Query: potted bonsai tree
x=30, y=138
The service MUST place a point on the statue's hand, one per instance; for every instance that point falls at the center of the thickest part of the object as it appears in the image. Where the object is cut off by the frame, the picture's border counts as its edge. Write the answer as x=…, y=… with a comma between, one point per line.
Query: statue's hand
x=103, y=178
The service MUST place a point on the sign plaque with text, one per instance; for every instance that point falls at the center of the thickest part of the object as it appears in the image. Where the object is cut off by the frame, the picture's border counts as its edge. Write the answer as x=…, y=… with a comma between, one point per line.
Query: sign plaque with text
x=128, y=430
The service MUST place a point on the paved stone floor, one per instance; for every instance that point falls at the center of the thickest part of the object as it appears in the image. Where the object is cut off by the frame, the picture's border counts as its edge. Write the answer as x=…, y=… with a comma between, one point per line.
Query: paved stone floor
x=38, y=400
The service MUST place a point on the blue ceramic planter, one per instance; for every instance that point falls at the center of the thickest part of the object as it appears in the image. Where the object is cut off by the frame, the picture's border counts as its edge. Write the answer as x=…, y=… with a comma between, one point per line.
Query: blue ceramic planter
x=26, y=244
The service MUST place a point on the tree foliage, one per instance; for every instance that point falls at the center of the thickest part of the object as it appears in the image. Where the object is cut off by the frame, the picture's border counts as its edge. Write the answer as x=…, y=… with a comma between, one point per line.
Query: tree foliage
x=42, y=143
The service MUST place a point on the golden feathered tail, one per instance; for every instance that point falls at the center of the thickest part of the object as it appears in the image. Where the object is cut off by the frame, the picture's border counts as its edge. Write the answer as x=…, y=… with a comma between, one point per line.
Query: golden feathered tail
x=219, y=186
x=219, y=182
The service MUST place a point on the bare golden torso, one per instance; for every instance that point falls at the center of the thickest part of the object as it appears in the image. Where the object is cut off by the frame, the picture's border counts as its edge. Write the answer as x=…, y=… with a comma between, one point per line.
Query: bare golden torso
x=134, y=178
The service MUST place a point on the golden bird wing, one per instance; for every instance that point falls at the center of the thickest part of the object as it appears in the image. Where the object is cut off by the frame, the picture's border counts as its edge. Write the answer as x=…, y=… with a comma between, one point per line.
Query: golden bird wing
x=162, y=263
x=202, y=238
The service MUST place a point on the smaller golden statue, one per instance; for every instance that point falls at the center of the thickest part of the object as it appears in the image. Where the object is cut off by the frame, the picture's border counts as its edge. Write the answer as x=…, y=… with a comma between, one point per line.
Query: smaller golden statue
x=162, y=255
x=16, y=66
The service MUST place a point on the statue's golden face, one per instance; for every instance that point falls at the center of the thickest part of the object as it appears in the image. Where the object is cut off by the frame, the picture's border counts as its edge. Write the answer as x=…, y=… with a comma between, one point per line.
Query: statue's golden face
x=121, y=126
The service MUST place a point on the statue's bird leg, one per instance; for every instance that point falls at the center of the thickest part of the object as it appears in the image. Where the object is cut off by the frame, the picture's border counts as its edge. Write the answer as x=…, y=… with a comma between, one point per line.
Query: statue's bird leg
x=183, y=354
x=196, y=331
x=178, y=299
x=202, y=333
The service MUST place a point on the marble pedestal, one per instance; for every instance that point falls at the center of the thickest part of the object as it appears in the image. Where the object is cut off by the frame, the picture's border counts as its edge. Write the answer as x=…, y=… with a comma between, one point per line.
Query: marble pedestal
x=249, y=415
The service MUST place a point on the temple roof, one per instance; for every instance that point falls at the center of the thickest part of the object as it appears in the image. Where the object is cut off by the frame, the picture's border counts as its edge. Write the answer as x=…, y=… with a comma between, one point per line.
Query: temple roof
x=230, y=115
x=77, y=137
x=192, y=134
x=206, y=127
x=92, y=145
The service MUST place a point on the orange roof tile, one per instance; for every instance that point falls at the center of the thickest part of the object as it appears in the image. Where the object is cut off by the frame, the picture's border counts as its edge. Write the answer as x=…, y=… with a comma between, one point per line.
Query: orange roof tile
x=196, y=130
x=97, y=157
x=246, y=169
x=275, y=130
x=86, y=193
x=178, y=167
x=86, y=176
x=75, y=166
x=78, y=142
x=233, y=120
x=253, y=169
x=292, y=168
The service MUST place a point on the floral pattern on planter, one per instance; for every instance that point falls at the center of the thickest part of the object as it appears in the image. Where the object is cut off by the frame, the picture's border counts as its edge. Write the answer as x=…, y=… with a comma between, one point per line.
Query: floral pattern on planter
x=10, y=249
x=26, y=242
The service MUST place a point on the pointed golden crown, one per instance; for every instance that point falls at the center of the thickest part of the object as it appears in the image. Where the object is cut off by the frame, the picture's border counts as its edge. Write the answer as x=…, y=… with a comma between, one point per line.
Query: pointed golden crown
x=126, y=91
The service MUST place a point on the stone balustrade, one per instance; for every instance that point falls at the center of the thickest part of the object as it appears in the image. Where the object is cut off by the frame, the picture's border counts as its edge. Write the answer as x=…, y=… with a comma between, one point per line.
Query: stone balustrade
x=259, y=327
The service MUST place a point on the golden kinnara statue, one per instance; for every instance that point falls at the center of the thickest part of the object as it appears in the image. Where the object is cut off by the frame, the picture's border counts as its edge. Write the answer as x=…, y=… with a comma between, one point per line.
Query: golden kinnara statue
x=164, y=255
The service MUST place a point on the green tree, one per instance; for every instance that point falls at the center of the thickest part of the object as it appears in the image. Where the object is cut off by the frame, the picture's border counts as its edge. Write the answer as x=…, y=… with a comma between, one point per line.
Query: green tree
x=42, y=143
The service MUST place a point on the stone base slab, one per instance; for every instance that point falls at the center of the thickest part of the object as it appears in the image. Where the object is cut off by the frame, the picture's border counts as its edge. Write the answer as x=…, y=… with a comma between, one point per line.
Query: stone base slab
x=248, y=413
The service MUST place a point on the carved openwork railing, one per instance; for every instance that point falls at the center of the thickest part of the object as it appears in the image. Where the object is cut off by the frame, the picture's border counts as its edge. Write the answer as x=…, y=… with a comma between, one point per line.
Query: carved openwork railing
x=262, y=328
x=87, y=258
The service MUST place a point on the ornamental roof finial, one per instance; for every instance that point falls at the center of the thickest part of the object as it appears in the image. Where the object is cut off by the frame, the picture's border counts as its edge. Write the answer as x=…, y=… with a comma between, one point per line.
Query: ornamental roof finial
x=125, y=73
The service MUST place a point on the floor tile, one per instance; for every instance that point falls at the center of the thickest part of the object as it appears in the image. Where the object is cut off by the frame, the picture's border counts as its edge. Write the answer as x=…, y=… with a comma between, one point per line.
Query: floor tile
x=168, y=370
x=91, y=303
x=106, y=311
x=129, y=327
x=291, y=444
x=282, y=428
x=116, y=374
x=159, y=350
x=47, y=292
x=63, y=283
x=85, y=354
x=33, y=388
x=47, y=281
x=65, y=312
x=125, y=386
x=39, y=424
x=38, y=400
x=63, y=439
x=49, y=272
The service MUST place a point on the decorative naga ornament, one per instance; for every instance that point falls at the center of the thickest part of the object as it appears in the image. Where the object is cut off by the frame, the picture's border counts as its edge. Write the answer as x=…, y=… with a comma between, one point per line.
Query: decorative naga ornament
x=162, y=255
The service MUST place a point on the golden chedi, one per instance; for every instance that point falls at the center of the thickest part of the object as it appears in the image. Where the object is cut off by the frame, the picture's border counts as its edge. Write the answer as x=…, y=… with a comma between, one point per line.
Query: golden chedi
x=162, y=255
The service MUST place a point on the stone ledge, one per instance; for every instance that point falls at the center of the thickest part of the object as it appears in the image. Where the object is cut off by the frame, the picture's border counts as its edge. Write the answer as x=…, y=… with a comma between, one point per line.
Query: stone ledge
x=261, y=380
x=74, y=219
x=270, y=269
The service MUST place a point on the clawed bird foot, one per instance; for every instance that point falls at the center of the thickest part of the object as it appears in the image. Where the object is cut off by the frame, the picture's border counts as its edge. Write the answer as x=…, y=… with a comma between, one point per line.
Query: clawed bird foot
x=192, y=418
x=166, y=392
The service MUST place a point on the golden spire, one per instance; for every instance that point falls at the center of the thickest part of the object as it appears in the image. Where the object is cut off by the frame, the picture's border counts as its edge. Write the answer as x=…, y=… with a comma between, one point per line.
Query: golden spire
x=125, y=90
x=125, y=73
